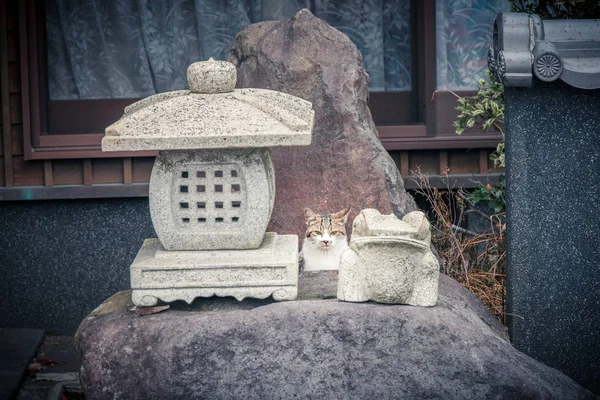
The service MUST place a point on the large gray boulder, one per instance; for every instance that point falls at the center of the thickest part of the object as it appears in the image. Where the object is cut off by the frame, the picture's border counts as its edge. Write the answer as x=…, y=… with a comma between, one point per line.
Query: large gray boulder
x=315, y=348
x=346, y=165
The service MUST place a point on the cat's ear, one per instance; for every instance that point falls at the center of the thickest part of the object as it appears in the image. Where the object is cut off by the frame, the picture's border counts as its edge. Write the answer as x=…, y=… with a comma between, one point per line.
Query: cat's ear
x=342, y=215
x=309, y=216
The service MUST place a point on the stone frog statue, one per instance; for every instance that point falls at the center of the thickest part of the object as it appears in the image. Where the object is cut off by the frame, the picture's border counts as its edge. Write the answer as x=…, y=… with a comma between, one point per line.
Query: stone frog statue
x=389, y=260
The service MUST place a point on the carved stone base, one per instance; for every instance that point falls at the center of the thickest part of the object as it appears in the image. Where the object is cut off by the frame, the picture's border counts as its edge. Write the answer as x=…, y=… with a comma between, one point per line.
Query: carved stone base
x=272, y=269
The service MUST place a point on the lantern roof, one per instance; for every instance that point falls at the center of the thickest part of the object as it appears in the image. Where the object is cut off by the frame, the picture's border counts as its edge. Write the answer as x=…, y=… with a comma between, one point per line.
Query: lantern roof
x=212, y=115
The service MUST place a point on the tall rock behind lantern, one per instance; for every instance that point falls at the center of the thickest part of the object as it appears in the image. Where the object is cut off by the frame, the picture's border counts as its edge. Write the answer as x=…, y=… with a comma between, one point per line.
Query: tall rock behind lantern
x=346, y=165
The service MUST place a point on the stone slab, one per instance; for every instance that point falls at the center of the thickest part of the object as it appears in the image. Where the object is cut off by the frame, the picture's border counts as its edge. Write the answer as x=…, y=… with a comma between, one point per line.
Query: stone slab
x=272, y=269
x=311, y=349
x=58, y=377
x=553, y=217
x=17, y=348
x=182, y=120
x=61, y=258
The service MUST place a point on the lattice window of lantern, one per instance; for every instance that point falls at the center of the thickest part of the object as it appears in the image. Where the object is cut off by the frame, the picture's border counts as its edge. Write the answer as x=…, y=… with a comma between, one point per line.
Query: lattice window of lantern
x=209, y=196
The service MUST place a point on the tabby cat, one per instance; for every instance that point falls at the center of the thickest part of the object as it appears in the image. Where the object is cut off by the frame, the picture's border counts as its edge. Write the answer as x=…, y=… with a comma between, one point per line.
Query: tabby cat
x=325, y=239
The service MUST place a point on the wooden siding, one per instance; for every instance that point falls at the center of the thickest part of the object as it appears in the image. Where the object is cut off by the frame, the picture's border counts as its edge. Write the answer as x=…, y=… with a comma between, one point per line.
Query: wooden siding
x=447, y=168
x=22, y=179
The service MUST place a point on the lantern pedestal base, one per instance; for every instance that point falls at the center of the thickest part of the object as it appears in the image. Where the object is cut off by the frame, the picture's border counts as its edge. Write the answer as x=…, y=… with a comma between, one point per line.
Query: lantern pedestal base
x=272, y=269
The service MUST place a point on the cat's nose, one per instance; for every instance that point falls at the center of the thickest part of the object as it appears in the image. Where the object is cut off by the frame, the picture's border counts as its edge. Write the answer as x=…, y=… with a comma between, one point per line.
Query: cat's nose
x=325, y=242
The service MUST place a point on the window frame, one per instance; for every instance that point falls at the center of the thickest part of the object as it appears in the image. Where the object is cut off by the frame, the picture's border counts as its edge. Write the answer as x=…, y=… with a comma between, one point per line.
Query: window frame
x=36, y=108
x=435, y=113
x=437, y=108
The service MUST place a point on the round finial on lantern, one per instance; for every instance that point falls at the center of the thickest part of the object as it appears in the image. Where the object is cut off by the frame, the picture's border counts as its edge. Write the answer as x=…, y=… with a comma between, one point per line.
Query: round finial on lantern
x=211, y=76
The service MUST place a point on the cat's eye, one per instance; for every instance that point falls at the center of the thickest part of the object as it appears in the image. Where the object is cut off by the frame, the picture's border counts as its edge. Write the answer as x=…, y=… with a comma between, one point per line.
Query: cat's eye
x=317, y=233
x=337, y=233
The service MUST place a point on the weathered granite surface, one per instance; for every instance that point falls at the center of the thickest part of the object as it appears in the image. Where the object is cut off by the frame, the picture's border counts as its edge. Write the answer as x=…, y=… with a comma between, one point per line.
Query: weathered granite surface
x=346, y=165
x=49, y=247
x=553, y=216
x=211, y=77
x=269, y=270
x=310, y=349
x=389, y=260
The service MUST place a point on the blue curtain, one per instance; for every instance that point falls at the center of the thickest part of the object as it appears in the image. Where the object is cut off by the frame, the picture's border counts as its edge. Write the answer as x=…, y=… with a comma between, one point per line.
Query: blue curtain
x=101, y=49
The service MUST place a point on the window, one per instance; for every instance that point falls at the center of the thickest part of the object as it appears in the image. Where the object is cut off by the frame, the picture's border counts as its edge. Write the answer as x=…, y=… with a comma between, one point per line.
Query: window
x=464, y=34
x=86, y=60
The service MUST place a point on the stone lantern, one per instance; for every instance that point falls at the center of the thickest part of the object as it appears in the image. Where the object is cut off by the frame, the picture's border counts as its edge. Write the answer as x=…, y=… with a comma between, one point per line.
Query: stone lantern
x=212, y=187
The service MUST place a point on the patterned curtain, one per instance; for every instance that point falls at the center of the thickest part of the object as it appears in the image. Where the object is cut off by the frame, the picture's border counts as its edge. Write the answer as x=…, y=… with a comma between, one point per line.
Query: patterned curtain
x=464, y=34
x=100, y=49
x=381, y=31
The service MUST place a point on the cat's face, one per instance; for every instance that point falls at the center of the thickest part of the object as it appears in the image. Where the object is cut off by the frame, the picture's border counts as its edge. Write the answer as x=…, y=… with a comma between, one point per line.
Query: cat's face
x=325, y=230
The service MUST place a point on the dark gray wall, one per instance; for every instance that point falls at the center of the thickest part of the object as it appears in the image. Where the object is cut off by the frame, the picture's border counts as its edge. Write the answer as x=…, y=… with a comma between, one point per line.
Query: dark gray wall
x=61, y=259
x=553, y=210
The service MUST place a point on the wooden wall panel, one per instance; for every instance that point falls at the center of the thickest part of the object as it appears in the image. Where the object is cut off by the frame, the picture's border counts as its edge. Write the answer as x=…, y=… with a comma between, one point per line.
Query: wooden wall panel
x=13, y=46
x=87, y=172
x=107, y=170
x=12, y=14
x=127, y=171
x=2, y=171
x=16, y=112
x=142, y=168
x=443, y=162
x=17, y=139
x=463, y=162
x=48, y=173
x=14, y=77
x=28, y=173
x=5, y=99
x=427, y=161
x=483, y=161
x=491, y=166
x=67, y=172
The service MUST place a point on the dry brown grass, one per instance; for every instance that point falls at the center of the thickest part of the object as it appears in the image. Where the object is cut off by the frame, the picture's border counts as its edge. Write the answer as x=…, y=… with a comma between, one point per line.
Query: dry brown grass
x=476, y=260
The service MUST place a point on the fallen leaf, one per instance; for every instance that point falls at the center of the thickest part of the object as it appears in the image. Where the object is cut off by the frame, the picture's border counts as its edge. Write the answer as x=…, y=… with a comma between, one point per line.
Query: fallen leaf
x=34, y=368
